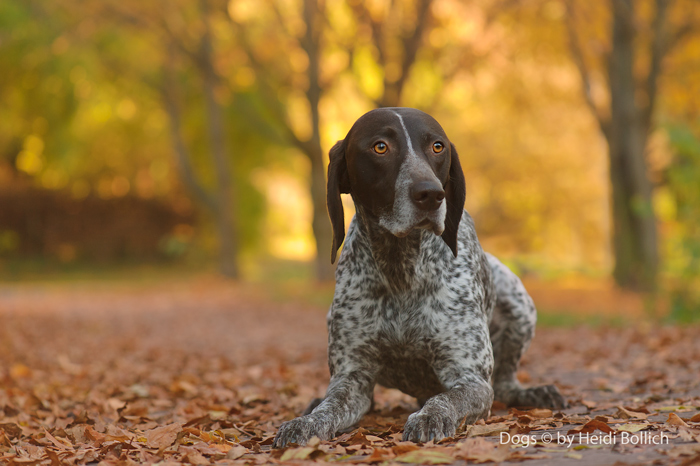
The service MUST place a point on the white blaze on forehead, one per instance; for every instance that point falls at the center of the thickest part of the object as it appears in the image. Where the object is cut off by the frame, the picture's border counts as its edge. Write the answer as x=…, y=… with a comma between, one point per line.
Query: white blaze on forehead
x=411, y=152
x=405, y=215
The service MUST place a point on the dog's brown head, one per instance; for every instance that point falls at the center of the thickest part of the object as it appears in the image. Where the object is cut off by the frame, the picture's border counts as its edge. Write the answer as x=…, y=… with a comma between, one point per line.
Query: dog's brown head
x=402, y=170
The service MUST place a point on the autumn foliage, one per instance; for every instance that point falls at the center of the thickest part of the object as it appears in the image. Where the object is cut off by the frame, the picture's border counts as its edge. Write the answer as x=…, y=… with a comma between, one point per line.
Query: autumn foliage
x=202, y=372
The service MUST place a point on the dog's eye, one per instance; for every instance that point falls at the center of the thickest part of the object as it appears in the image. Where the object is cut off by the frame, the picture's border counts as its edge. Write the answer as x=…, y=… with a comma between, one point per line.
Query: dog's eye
x=438, y=147
x=380, y=148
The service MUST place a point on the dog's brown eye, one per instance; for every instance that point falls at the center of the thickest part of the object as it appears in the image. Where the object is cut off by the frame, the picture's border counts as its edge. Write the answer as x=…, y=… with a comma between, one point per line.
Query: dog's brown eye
x=438, y=147
x=380, y=148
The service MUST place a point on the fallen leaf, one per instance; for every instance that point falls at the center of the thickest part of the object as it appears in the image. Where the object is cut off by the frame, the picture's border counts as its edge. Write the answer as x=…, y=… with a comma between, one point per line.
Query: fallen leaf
x=632, y=427
x=378, y=455
x=404, y=447
x=11, y=429
x=683, y=450
x=425, y=457
x=687, y=436
x=624, y=413
x=537, y=413
x=299, y=453
x=194, y=457
x=488, y=429
x=591, y=426
x=20, y=371
x=589, y=404
x=481, y=450
x=695, y=418
x=674, y=420
x=162, y=437
x=674, y=408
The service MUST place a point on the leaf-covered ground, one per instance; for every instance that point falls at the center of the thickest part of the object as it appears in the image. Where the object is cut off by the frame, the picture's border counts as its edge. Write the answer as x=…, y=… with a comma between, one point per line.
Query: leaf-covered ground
x=204, y=372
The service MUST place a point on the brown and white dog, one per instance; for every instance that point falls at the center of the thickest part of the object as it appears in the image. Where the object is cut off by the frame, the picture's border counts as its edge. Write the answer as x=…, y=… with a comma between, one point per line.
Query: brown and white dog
x=418, y=305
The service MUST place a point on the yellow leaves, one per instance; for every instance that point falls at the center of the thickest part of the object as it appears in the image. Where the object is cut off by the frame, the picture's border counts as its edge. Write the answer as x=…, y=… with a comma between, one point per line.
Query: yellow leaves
x=298, y=115
x=243, y=10
x=369, y=74
x=20, y=371
x=425, y=457
x=678, y=408
x=31, y=160
x=632, y=428
x=126, y=109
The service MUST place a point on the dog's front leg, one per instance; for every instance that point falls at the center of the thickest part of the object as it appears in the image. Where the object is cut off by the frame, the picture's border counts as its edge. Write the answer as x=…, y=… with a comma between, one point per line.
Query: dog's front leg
x=470, y=398
x=464, y=367
x=348, y=398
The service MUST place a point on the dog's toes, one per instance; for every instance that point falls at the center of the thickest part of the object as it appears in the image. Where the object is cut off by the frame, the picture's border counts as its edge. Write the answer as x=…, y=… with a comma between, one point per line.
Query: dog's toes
x=424, y=427
x=300, y=431
x=544, y=396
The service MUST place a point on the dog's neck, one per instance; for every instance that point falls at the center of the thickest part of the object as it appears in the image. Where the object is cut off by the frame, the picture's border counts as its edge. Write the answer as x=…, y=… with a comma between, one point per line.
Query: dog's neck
x=396, y=258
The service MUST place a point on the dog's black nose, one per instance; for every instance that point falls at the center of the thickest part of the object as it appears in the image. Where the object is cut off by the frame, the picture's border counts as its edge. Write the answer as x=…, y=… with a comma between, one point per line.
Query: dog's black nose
x=427, y=195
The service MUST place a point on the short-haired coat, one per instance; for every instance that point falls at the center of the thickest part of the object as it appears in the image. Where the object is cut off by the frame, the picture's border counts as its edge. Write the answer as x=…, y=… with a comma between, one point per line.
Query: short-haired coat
x=418, y=305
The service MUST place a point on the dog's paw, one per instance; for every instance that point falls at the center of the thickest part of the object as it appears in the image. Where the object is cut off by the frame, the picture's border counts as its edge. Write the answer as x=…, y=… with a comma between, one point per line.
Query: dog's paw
x=544, y=396
x=300, y=431
x=424, y=426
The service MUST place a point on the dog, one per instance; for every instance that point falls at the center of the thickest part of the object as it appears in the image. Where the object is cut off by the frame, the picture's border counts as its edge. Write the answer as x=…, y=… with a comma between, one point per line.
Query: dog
x=418, y=305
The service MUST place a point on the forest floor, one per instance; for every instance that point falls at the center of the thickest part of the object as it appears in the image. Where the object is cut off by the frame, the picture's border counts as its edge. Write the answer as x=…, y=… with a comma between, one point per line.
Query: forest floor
x=204, y=371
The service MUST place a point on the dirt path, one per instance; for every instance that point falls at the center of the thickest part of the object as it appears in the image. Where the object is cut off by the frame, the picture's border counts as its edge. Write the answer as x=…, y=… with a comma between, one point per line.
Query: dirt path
x=204, y=372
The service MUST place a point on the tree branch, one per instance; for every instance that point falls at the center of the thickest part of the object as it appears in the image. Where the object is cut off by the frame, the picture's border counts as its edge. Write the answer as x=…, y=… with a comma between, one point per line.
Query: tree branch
x=269, y=91
x=412, y=43
x=363, y=14
x=579, y=60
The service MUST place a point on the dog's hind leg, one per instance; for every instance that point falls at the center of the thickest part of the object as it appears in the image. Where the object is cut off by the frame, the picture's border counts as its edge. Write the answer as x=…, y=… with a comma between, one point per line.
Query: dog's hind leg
x=512, y=328
x=309, y=409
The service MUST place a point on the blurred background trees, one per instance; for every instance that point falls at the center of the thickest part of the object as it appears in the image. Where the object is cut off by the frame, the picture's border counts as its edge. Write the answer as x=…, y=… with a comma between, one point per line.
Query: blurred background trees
x=577, y=125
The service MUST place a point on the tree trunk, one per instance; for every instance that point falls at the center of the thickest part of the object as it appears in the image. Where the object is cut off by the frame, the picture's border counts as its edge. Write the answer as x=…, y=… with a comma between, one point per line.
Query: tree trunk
x=634, y=223
x=225, y=214
x=320, y=224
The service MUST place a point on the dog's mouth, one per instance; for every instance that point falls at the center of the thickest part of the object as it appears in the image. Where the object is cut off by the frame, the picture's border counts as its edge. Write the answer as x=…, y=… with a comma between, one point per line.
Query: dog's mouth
x=432, y=225
x=425, y=224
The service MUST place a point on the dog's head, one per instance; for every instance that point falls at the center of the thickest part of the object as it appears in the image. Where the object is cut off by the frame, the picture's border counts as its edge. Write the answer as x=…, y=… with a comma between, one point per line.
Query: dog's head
x=402, y=170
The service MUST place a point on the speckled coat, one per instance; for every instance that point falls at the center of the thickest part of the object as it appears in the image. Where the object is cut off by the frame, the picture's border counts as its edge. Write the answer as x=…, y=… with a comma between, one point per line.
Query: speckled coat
x=418, y=305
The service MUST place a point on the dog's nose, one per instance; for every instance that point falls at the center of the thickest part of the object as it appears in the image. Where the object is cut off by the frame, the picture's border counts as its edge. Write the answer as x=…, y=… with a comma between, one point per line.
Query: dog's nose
x=427, y=195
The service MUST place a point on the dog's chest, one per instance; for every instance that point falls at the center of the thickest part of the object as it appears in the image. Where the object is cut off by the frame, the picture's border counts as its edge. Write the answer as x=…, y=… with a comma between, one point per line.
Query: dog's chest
x=406, y=330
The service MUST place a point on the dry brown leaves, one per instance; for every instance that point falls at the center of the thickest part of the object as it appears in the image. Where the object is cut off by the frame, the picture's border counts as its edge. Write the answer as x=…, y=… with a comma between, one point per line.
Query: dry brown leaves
x=206, y=373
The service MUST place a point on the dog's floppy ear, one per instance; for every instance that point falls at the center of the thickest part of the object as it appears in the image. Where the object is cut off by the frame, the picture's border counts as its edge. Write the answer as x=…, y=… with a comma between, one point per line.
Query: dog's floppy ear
x=455, y=194
x=338, y=182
